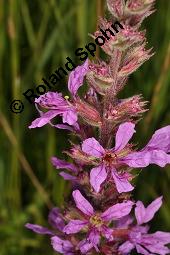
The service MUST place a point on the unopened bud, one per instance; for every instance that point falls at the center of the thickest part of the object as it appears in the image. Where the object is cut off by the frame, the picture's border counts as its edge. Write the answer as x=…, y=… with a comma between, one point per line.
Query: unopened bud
x=134, y=59
x=126, y=109
x=88, y=113
x=116, y=7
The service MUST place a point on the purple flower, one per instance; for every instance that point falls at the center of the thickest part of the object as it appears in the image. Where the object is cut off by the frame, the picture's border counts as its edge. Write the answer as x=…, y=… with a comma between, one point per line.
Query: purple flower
x=56, y=105
x=138, y=236
x=155, y=152
x=60, y=164
x=95, y=222
x=107, y=161
x=56, y=221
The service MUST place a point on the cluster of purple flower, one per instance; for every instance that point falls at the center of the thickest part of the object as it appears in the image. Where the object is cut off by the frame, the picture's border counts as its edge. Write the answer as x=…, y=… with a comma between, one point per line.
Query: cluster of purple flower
x=101, y=172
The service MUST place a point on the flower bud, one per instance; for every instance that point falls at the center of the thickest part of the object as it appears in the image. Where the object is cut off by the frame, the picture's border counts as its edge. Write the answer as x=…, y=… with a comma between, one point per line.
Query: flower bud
x=134, y=59
x=139, y=6
x=99, y=77
x=88, y=113
x=126, y=109
x=116, y=7
x=137, y=11
x=122, y=40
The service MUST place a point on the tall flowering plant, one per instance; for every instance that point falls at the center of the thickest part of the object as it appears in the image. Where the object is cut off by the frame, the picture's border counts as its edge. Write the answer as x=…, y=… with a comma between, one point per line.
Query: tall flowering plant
x=102, y=217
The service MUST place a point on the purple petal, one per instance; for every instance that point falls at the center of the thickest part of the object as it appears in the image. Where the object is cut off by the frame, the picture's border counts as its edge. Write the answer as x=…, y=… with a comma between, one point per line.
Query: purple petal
x=121, y=182
x=60, y=164
x=55, y=219
x=85, y=245
x=123, y=135
x=97, y=176
x=144, y=215
x=117, y=211
x=126, y=247
x=157, y=248
x=108, y=233
x=68, y=177
x=82, y=204
x=137, y=159
x=92, y=147
x=70, y=117
x=140, y=212
x=74, y=226
x=94, y=238
x=51, y=100
x=39, y=229
x=141, y=250
x=160, y=140
x=62, y=246
x=159, y=158
x=62, y=126
x=159, y=236
x=76, y=78
x=124, y=222
x=44, y=119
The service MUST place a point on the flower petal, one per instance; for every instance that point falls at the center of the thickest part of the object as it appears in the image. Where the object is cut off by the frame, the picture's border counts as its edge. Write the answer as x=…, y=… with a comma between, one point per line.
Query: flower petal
x=68, y=177
x=160, y=140
x=159, y=236
x=125, y=222
x=123, y=135
x=82, y=204
x=92, y=147
x=76, y=78
x=62, y=246
x=157, y=248
x=65, y=127
x=159, y=158
x=74, y=226
x=94, y=238
x=39, y=229
x=60, y=164
x=70, y=117
x=137, y=159
x=51, y=100
x=97, y=176
x=108, y=233
x=140, y=212
x=117, y=211
x=55, y=219
x=44, y=119
x=126, y=247
x=144, y=215
x=141, y=250
x=85, y=245
x=121, y=182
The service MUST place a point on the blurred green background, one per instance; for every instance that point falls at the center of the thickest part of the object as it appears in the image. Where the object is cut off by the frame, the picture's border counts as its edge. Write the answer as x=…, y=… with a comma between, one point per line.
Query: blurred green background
x=35, y=38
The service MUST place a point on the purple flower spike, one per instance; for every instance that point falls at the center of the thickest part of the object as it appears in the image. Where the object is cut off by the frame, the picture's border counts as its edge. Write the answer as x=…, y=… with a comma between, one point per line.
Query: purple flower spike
x=76, y=78
x=97, y=223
